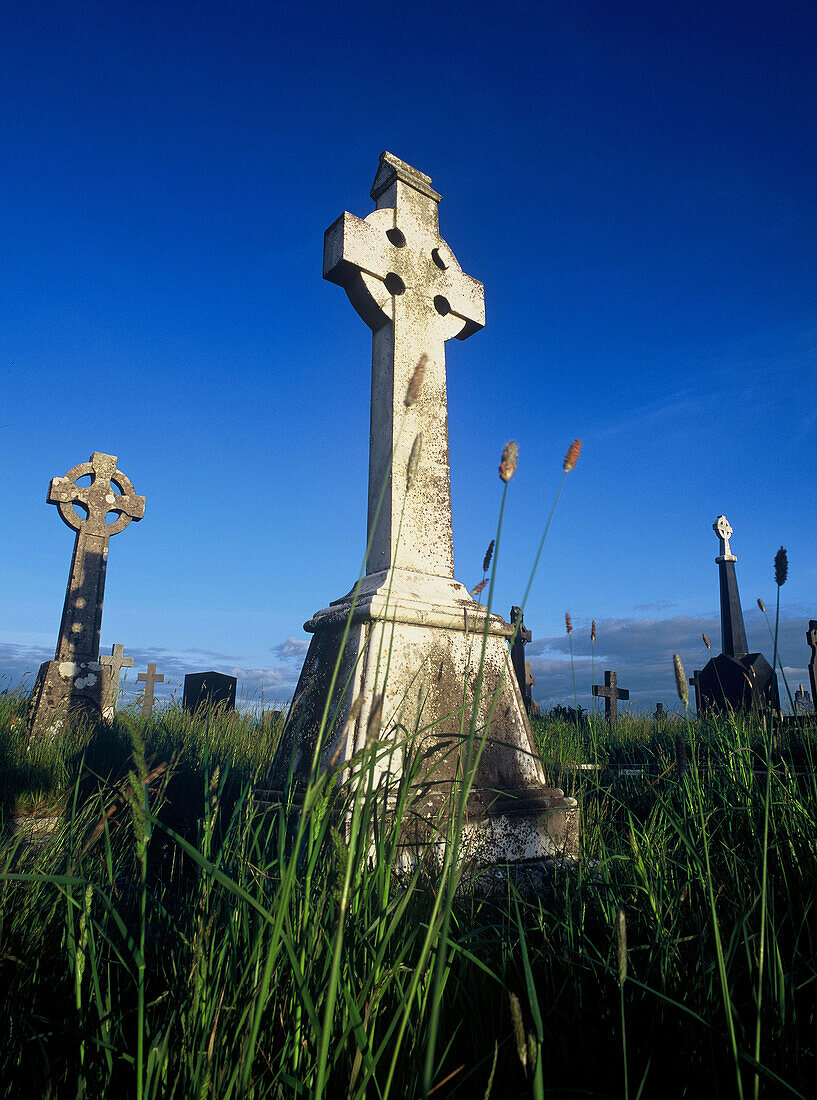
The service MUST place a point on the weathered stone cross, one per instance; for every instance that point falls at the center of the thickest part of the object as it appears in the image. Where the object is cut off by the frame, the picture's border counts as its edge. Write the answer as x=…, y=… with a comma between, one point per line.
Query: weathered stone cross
x=611, y=693
x=520, y=665
x=75, y=677
x=396, y=268
x=114, y=664
x=149, y=679
x=82, y=612
x=723, y=530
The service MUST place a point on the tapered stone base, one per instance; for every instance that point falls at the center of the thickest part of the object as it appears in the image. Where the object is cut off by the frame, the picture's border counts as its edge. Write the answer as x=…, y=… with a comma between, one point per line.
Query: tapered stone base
x=416, y=646
x=63, y=687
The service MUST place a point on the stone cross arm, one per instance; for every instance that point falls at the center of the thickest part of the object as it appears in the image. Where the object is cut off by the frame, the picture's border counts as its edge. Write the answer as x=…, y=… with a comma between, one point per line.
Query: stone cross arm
x=386, y=256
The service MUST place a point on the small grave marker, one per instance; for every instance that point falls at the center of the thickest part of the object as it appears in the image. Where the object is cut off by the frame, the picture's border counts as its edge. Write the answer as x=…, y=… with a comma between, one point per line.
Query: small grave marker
x=209, y=689
x=114, y=664
x=611, y=693
x=660, y=714
x=149, y=679
x=811, y=638
x=802, y=702
x=75, y=678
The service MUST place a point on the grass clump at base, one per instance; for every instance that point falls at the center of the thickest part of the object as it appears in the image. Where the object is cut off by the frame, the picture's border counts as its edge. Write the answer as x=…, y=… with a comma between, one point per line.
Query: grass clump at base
x=168, y=940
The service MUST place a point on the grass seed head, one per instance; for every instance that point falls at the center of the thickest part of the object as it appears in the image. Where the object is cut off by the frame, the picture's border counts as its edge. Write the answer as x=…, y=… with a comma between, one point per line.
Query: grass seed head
x=375, y=718
x=572, y=456
x=416, y=382
x=761, y=605
x=593, y=631
x=568, y=623
x=518, y=1029
x=414, y=458
x=489, y=553
x=621, y=946
x=706, y=641
x=507, y=464
x=476, y=591
x=680, y=680
x=781, y=567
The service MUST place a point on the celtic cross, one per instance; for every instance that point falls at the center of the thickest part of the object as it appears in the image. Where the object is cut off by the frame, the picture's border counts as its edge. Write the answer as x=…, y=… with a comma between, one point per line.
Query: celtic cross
x=723, y=530
x=408, y=287
x=114, y=664
x=109, y=492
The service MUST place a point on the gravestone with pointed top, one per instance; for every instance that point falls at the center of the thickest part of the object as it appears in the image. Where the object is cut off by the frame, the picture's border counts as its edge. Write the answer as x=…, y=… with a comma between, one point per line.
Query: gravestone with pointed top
x=610, y=693
x=110, y=691
x=410, y=290
x=75, y=679
x=660, y=714
x=735, y=680
x=150, y=679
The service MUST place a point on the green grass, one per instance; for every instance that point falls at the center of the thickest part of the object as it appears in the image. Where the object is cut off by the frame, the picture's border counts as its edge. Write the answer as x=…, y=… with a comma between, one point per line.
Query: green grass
x=170, y=940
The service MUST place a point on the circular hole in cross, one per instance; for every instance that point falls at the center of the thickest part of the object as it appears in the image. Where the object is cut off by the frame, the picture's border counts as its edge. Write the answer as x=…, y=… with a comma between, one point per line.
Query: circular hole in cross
x=442, y=305
x=394, y=284
x=83, y=482
x=439, y=258
x=396, y=237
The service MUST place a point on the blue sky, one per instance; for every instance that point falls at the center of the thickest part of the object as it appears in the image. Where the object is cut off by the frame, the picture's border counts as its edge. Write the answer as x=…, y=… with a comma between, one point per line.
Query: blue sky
x=633, y=183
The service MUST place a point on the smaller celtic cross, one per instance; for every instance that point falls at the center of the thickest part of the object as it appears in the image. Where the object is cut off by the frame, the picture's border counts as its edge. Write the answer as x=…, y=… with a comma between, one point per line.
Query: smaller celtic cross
x=109, y=492
x=611, y=693
x=149, y=679
x=723, y=530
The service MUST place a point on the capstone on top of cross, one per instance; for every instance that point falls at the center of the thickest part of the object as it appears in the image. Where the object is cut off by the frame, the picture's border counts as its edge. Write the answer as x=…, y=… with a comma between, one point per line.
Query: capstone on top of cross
x=723, y=530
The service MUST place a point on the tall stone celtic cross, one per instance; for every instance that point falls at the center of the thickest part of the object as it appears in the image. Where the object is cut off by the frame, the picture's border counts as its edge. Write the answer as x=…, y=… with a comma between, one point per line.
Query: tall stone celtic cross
x=109, y=492
x=408, y=287
x=611, y=693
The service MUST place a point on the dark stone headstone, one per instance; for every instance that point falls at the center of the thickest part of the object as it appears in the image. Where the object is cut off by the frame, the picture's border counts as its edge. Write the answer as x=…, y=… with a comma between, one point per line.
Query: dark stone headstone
x=209, y=689
x=735, y=680
x=660, y=714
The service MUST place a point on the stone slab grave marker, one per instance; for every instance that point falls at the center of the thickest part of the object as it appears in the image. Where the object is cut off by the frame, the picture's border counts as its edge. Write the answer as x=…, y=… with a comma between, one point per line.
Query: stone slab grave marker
x=802, y=702
x=149, y=679
x=735, y=680
x=660, y=714
x=75, y=679
x=811, y=638
x=209, y=689
x=408, y=287
x=114, y=664
x=611, y=693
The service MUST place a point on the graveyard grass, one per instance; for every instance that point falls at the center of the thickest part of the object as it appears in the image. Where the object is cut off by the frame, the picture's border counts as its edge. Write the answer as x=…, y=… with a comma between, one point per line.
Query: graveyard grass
x=169, y=938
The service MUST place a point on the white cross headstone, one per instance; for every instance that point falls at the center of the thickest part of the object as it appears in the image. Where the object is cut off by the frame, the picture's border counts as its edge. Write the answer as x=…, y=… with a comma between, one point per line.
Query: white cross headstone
x=411, y=635
x=406, y=284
